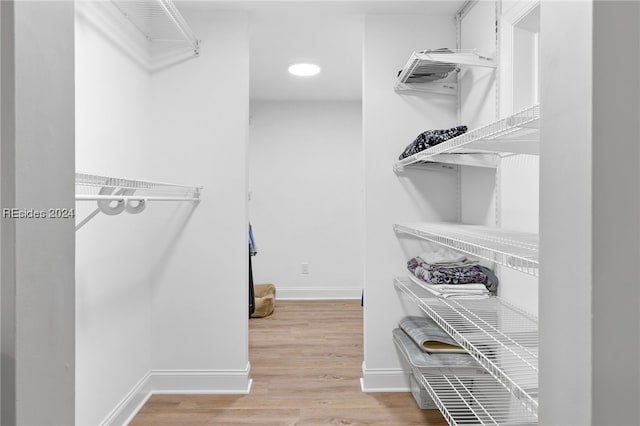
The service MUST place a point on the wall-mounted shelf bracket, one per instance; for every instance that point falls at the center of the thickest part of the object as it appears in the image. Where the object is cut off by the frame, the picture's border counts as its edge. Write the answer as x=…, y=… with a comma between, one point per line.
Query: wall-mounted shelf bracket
x=117, y=195
x=159, y=21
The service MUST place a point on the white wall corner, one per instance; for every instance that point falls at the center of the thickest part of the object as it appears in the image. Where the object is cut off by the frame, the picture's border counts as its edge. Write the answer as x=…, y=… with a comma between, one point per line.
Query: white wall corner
x=384, y=380
x=126, y=409
x=111, y=23
x=318, y=293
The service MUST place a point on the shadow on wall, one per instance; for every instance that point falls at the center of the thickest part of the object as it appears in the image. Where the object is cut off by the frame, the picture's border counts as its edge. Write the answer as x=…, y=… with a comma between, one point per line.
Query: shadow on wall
x=430, y=191
x=180, y=218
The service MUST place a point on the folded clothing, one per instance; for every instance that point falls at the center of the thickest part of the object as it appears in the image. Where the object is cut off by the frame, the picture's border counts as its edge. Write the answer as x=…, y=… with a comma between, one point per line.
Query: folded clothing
x=444, y=256
x=420, y=359
x=459, y=291
x=429, y=336
x=451, y=289
x=431, y=138
x=461, y=272
x=427, y=71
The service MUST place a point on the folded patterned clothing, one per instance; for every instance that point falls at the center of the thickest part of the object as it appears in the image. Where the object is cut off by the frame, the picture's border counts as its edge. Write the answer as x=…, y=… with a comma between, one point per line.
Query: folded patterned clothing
x=459, y=291
x=453, y=273
x=431, y=138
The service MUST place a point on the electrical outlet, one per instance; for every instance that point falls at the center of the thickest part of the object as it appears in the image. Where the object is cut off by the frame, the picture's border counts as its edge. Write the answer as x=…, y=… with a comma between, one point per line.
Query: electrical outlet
x=305, y=268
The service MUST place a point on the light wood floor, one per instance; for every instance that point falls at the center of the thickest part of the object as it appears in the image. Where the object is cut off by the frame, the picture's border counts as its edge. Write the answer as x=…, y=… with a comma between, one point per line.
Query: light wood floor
x=306, y=366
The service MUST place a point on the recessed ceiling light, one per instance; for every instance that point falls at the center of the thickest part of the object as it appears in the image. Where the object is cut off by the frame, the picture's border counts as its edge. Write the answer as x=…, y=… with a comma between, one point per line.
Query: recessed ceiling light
x=304, y=69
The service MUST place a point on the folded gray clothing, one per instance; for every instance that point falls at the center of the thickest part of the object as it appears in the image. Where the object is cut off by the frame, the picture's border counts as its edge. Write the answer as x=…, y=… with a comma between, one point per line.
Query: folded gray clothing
x=424, y=331
x=420, y=359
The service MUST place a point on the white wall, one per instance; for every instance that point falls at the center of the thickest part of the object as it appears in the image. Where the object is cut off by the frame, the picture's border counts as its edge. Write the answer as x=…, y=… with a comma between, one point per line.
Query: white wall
x=7, y=265
x=113, y=270
x=155, y=288
x=392, y=121
x=566, y=236
x=616, y=214
x=199, y=132
x=38, y=319
x=306, y=185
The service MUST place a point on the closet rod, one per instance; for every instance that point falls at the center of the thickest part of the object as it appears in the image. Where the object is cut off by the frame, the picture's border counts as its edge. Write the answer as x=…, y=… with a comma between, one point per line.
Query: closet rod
x=132, y=198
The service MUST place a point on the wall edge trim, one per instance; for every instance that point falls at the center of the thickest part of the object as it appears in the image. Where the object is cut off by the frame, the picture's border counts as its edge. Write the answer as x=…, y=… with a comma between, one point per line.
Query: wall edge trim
x=318, y=293
x=384, y=380
x=157, y=382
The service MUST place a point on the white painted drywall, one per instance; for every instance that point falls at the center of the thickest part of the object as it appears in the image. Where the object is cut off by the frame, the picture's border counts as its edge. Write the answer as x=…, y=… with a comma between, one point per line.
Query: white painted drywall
x=306, y=186
x=566, y=234
x=478, y=103
x=616, y=214
x=477, y=107
x=7, y=185
x=113, y=267
x=199, y=133
x=390, y=122
x=162, y=294
x=38, y=356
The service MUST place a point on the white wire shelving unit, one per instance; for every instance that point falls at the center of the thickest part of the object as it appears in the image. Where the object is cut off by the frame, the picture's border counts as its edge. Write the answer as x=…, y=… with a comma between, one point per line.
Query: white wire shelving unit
x=513, y=249
x=159, y=21
x=501, y=337
x=516, y=134
x=115, y=195
x=432, y=70
x=475, y=400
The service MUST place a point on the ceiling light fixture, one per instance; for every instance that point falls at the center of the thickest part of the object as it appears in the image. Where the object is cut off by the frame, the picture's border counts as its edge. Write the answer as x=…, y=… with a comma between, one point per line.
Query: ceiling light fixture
x=304, y=69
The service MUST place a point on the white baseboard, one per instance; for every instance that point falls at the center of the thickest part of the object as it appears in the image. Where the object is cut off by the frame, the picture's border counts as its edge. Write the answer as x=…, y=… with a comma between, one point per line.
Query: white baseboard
x=123, y=413
x=178, y=382
x=317, y=293
x=201, y=381
x=384, y=380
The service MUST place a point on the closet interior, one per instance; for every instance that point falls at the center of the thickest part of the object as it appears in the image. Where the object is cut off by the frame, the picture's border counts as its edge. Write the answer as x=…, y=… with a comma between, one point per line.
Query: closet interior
x=170, y=70
x=146, y=107
x=162, y=114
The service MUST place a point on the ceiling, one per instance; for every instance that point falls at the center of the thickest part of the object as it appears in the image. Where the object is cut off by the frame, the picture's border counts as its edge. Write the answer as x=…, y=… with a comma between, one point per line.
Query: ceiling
x=328, y=33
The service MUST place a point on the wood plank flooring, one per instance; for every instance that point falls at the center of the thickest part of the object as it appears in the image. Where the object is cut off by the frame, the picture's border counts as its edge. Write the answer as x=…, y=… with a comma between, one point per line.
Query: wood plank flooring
x=306, y=366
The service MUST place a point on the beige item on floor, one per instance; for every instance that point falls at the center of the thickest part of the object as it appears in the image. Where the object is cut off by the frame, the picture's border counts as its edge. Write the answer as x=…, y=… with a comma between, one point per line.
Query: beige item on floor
x=265, y=295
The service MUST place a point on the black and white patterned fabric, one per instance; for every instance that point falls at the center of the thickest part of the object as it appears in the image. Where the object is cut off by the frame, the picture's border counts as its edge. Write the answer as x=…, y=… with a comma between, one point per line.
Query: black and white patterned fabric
x=431, y=138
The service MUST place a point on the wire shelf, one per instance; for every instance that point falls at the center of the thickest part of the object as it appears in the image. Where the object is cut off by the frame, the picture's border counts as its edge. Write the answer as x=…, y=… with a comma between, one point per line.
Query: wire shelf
x=87, y=184
x=516, y=134
x=501, y=337
x=117, y=195
x=159, y=21
x=475, y=400
x=515, y=250
x=429, y=70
